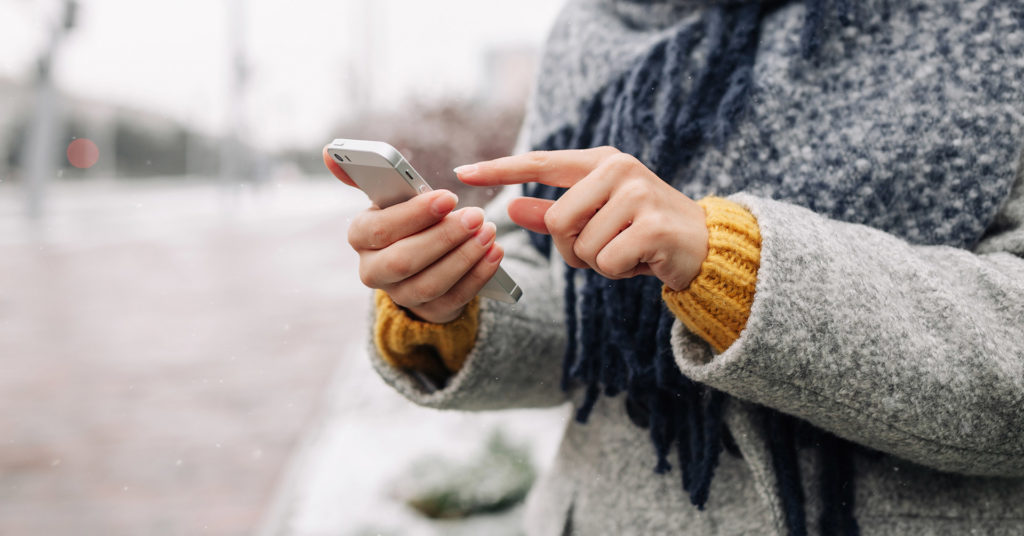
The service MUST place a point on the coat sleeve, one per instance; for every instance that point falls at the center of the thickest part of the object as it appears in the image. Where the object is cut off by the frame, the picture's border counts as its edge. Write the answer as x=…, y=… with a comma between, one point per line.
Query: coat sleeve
x=917, y=351
x=517, y=357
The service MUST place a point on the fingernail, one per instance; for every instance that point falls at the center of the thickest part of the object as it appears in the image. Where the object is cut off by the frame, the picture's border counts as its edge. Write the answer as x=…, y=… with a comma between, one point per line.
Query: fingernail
x=444, y=203
x=486, y=233
x=472, y=218
x=494, y=255
x=466, y=170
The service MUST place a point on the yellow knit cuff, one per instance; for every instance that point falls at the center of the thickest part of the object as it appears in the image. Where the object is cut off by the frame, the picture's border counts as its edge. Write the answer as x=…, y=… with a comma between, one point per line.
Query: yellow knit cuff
x=717, y=303
x=437, y=350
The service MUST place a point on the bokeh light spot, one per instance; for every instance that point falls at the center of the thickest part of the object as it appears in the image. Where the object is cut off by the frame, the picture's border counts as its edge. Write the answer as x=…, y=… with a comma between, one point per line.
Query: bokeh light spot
x=83, y=153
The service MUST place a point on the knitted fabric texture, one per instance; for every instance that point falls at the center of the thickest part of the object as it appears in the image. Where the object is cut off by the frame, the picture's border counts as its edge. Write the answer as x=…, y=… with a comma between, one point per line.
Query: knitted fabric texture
x=433, y=349
x=717, y=303
x=618, y=331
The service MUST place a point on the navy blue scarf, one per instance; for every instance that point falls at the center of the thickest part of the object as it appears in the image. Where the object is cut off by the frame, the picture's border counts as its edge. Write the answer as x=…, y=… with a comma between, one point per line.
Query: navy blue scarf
x=619, y=342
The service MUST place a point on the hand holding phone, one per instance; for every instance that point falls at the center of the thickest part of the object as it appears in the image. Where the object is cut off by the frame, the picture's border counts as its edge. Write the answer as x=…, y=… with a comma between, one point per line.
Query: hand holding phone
x=412, y=245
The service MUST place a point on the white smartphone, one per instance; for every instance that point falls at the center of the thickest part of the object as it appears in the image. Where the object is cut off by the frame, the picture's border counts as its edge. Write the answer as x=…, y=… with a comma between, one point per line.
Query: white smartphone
x=387, y=178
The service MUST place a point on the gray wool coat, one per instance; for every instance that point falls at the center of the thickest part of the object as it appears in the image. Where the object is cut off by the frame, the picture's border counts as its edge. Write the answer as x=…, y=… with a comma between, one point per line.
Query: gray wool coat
x=888, y=184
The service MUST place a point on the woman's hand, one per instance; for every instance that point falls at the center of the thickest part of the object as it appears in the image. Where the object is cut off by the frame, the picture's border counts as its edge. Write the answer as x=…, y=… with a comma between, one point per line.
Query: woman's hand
x=430, y=260
x=617, y=218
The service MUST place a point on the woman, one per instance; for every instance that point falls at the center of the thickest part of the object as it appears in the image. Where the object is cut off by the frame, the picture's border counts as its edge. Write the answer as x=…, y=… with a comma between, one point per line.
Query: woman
x=848, y=323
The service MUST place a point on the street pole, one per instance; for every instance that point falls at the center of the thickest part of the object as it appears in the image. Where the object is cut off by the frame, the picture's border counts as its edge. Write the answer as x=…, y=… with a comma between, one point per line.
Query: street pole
x=38, y=157
x=231, y=165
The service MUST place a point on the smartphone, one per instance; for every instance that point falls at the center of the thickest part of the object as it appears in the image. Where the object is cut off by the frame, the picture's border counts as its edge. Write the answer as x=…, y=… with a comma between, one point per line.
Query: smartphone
x=387, y=178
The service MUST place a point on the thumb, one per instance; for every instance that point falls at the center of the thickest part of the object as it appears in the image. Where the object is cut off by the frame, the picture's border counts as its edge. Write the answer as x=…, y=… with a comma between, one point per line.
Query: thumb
x=528, y=212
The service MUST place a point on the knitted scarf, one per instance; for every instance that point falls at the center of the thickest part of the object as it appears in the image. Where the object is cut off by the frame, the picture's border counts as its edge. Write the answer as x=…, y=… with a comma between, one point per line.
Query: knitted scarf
x=618, y=331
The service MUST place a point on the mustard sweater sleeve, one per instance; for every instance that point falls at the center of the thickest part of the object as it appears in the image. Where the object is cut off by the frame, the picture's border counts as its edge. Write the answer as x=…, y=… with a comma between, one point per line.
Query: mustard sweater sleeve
x=437, y=350
x=717, y=303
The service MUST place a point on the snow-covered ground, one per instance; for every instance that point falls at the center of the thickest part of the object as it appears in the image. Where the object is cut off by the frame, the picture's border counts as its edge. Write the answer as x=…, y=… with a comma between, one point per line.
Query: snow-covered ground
x=339, y=482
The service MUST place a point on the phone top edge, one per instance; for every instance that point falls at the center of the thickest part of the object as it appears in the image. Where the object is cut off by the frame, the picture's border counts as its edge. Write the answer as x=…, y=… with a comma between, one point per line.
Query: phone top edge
x=381, y=148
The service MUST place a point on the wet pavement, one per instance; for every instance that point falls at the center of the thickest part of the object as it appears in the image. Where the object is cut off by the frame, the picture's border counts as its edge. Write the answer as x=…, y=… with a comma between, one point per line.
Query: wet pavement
x=163, y=346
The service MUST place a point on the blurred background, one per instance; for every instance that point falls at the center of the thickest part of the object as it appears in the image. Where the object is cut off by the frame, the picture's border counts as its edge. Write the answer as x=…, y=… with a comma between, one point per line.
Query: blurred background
x=182, y=331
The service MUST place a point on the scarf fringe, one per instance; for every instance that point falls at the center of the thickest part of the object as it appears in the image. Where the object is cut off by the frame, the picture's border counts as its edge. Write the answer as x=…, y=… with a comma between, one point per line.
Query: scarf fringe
x=619, y=331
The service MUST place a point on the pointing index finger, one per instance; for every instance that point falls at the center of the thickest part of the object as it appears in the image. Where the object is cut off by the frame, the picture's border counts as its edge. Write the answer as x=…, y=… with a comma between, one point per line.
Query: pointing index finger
x=561, y=169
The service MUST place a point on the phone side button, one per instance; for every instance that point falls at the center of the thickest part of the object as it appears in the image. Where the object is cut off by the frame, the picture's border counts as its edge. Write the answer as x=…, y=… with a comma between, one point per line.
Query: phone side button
x=424, y=188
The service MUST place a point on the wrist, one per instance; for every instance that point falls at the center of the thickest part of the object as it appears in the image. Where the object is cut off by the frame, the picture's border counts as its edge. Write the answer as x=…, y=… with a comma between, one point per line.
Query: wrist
x=692, y=249
x=423, y=314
